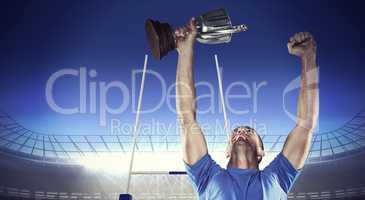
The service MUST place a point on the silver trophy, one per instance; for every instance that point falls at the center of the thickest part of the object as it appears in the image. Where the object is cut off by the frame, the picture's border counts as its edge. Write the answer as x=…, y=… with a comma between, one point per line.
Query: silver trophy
x=214, y=27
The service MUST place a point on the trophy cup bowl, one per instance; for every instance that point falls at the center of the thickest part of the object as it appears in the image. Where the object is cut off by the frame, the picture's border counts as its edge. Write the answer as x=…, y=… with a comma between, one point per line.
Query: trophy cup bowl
x=161, y=38
x=214, y=27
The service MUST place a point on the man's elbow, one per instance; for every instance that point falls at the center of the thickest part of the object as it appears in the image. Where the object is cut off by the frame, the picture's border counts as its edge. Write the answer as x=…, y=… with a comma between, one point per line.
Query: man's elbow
x=186, y=119
x=308, y=124
x=306, y=127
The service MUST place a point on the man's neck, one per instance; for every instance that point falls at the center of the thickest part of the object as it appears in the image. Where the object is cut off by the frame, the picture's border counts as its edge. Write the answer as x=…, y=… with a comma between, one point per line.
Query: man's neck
x=242, y=162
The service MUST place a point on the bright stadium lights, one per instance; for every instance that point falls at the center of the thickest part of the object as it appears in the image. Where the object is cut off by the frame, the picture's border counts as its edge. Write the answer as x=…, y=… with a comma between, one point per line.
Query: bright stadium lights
x=114, y=164
x=117, y=164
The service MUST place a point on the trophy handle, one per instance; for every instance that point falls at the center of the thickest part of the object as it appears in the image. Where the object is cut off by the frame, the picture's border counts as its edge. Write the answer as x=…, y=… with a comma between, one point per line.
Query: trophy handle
x=233, y=29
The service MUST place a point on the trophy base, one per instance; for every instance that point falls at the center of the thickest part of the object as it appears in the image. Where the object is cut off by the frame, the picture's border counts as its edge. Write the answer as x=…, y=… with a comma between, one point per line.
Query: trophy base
x=160, y=37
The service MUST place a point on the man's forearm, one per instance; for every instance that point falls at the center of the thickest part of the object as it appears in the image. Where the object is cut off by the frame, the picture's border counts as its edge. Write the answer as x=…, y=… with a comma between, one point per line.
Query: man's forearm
x=185, y=90
x=193, y=141
x=308, y=99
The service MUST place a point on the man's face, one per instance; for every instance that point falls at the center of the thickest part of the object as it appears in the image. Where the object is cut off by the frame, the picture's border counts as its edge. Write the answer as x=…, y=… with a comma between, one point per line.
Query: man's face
x=247, y=136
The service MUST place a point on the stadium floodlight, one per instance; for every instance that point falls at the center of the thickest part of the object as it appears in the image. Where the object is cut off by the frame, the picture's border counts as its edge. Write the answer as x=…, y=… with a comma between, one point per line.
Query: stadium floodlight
x=111, y=164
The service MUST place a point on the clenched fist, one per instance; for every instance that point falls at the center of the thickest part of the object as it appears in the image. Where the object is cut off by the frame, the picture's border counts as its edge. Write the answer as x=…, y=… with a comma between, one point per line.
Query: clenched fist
x=185, y=37
x=302, y=44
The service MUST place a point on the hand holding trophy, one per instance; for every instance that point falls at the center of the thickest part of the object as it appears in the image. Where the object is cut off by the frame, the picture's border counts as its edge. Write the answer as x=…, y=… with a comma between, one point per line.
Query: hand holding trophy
x=213, y=27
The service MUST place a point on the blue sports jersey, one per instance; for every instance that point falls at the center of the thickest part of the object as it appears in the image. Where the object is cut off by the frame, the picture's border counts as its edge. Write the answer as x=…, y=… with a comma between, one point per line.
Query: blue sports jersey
x=213, y=182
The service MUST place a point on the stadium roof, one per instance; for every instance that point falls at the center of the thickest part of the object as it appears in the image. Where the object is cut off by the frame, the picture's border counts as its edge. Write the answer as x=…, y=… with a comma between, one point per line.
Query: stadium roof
x=18, y=140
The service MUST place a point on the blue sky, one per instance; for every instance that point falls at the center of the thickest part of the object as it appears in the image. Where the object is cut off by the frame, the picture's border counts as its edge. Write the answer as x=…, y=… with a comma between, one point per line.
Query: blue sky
x=39, y=38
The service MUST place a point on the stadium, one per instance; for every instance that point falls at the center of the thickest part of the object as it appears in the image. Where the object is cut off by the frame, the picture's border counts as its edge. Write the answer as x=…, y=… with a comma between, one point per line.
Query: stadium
x=44, y=166
x=82, y=116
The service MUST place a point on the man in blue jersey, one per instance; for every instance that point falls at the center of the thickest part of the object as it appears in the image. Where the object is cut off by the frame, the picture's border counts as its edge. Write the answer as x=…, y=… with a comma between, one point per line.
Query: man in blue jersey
x=242, y=178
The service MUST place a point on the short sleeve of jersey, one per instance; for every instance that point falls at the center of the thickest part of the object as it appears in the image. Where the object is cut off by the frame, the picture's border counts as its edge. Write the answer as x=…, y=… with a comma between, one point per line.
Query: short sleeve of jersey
x=202, y=172
x=282, y=171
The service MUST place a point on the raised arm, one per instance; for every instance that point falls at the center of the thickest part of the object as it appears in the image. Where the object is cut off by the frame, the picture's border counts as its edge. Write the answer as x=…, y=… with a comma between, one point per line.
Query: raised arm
x=193, y=141
x=297, y=145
